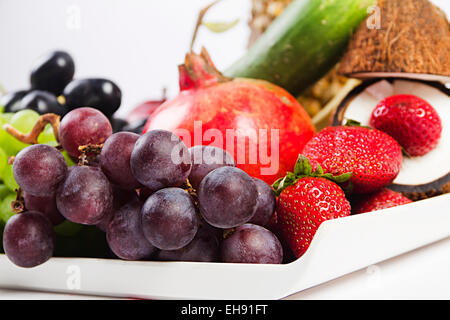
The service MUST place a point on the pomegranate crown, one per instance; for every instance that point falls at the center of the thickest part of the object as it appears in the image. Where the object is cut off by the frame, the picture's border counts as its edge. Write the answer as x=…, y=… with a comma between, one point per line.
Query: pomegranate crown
x=199, y=71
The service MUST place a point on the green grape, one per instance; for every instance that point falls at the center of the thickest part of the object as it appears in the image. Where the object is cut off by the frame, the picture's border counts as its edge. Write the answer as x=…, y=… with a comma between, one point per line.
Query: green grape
x=5, y=208
x=7, y=116
x=4, y=136
x=4, y=191
x=47, y=136
x=23, y=121
x=3, y=160
x=69, y=160
x=67, y=228
x=8, y=178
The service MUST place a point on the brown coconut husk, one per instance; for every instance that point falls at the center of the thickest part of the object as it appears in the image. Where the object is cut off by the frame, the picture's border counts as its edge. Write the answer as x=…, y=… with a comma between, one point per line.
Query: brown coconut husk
x=414, y=39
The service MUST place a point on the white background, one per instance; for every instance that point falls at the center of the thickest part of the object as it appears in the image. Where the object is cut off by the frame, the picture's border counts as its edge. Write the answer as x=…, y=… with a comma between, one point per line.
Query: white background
x=136, y=43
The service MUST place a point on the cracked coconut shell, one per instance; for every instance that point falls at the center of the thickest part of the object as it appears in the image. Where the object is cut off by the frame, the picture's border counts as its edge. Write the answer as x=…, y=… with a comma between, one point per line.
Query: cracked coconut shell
x=413, y=39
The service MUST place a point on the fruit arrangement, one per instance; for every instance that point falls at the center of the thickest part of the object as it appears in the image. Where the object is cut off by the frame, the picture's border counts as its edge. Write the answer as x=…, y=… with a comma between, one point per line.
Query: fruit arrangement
x=229, y=170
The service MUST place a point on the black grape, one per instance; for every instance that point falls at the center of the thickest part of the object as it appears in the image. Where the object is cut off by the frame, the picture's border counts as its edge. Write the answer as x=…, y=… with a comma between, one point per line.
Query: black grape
x=251, y=243
x=227, y=197
x=11, y=100
x=42, y=102
x=205, y=159
x=120, y=198
x=115, y=159
x=85, y=196
x=81, y=127
x=169, y=219
x=205, y=247
x=28, y=239
x=125, y=236
x=160, y=159
x=53, y=72
x=44, y=205
x=39, y=169
x=265, y=204
x=101, y=94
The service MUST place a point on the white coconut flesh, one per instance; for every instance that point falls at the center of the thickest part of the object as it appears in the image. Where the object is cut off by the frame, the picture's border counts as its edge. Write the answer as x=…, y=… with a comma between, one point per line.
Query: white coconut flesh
x=415, y=170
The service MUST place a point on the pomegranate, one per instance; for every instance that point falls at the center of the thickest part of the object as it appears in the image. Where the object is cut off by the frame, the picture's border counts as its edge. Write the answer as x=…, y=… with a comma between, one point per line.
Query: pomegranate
x=145, y=109
x=261, y=124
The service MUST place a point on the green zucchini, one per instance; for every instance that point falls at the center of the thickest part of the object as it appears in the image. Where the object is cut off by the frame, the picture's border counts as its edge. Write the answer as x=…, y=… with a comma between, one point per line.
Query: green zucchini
x=303, y=43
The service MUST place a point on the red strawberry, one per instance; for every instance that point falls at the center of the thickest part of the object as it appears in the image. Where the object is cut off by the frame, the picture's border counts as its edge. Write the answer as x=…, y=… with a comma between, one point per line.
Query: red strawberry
x=374, y=157
x=410, y=120
x=382, y=199
x=306, y=199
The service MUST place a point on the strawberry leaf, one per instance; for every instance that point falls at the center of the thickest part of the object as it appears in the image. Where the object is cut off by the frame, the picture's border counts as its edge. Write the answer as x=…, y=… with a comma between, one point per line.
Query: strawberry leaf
x=302, y=166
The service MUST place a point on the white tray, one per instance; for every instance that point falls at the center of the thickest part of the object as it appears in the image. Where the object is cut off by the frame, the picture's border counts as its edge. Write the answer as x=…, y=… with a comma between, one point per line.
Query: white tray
x=339, y=247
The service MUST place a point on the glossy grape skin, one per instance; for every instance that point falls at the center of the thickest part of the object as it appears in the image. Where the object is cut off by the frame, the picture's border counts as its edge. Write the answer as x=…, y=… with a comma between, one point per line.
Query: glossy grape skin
x=160, y=159
x=44, y=205
x=28, y=239
x=169, y=219
x=205, y=247
x=85, y=196
x=205, y=159
x=115, y=159
x=101, y=94
x=227, y=197
x=265, y=204
x=83, y=126
x=120, y=198
x=53, y=72
x=42, y=102
x=251, y=243
x=39, y=169
x=125, y=236
x=11, y=100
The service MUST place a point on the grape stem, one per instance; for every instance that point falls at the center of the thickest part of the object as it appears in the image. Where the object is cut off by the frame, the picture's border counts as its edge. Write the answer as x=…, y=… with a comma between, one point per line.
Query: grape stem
x=18, y=205
x=32, y=136
x=89, y=151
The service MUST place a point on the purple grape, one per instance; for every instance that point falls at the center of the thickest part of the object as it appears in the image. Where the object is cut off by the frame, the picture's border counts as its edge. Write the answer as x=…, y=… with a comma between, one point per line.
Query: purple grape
x=120, y=198
x=205, y=159
x=28, y=239
x=39, y=169
x=44, y=205
x=169, y=219
x=125, y=236
x=160, y=159
x=203, y=248
x=227, y=197
x=81, y=127
x=115, y=159
x=251, y=243
x=265, y=204
x=85, y=196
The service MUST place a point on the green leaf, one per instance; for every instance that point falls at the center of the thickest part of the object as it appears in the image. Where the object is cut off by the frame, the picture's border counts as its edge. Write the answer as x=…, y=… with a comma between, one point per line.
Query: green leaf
x=343, y=177
x=302, y=166
x=219, y=27
x=352, y=123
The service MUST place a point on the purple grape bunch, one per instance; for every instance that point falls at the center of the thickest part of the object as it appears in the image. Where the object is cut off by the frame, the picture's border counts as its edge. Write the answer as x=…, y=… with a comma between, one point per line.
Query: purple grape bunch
x=154, y=198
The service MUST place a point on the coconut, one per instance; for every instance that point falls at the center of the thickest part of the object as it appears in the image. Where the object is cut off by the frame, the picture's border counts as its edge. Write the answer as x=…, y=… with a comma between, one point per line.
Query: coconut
x=420, y=177
x=412, y=40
